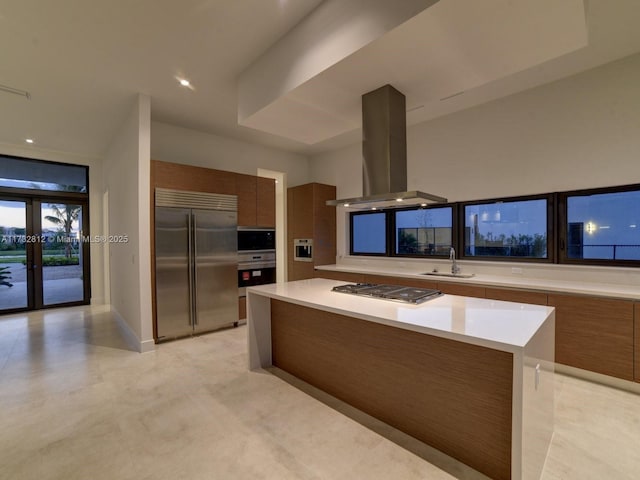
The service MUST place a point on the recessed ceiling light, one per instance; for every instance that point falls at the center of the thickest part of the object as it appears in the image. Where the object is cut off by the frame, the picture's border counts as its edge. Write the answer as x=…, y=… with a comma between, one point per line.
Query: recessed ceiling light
x=28, y=140
x=423, y=204
x=184, y=82
x=345, y=205
x=398, y=199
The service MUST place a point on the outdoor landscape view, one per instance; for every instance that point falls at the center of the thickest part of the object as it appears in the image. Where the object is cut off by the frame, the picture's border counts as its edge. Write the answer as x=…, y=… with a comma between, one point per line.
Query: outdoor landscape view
x=61, y=257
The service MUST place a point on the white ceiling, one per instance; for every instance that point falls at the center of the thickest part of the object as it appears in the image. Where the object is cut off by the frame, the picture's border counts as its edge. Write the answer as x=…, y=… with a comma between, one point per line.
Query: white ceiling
x=84, y=61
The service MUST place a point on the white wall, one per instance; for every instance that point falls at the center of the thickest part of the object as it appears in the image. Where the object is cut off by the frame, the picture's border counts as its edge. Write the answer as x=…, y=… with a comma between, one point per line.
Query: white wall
x=126, y=178
x=95, y=204
x=579, y=132
x=170, y=143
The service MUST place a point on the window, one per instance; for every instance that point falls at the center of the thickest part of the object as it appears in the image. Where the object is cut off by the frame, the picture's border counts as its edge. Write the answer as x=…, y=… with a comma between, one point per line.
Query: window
x=602, y=225
x=594, y=227
x=40, y=175
x=514, y=228
x=424, y=231
x=43, y=212
x=368, y=233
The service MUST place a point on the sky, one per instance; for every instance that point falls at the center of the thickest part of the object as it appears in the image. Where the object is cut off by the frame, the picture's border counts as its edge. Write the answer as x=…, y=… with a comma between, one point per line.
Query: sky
x=12, y=214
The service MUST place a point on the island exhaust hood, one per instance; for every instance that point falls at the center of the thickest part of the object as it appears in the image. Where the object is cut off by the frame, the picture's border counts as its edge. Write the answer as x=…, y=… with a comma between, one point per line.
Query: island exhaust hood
x=384, y=153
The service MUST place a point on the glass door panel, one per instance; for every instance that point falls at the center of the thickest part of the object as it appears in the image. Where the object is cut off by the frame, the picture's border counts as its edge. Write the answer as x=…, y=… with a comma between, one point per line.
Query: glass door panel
x=14, y=291
x=61, y=253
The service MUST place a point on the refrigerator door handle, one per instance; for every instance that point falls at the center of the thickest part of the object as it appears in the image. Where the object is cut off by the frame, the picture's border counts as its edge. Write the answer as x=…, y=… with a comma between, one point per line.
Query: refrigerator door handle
x=195, y=271
x=190, y=267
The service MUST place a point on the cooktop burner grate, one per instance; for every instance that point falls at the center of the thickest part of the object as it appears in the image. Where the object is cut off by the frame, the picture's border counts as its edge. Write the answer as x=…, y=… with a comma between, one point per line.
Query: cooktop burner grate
x=389, y=292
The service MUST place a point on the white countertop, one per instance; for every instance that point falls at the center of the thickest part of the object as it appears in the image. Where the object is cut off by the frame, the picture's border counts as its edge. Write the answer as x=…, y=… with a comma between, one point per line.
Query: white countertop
x=505, y=326
x=629, y=292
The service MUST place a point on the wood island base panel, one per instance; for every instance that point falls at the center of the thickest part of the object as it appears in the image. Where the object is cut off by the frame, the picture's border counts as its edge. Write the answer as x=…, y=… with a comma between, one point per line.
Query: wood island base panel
x=471, y=377
x=452, y=396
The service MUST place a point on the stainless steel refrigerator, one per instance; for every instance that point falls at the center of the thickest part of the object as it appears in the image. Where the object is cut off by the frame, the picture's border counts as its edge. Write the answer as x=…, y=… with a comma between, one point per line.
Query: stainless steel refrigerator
x=196, y=262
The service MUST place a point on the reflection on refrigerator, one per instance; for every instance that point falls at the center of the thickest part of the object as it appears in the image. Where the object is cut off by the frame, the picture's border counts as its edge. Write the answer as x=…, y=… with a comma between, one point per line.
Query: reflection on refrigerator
x=196, y=262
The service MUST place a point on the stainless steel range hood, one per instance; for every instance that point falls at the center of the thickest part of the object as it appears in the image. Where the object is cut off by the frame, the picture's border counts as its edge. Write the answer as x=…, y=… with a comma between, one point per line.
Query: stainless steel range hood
x=384, y=153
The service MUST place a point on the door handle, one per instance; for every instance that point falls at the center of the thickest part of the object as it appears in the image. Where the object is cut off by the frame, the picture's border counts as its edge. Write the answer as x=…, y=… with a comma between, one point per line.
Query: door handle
x=190, y=268
x=195, y=270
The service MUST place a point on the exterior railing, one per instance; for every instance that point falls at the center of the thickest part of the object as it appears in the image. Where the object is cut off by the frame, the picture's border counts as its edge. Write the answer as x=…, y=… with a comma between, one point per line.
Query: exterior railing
x=611, y=251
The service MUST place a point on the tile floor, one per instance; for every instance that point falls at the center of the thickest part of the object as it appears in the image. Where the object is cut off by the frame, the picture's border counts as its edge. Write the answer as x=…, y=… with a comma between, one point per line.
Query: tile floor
x=75, y=403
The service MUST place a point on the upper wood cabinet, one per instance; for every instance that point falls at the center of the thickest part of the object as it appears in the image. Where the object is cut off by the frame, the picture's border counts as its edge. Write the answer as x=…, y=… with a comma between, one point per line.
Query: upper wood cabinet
x=595, y=334
x=266, y=202
x=189, y=178
x=247, y=198
x=256, y=201
x=308, y=216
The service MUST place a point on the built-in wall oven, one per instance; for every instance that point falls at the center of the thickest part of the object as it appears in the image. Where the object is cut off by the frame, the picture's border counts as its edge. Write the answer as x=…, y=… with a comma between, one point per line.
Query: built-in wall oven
x=256, y=257
x=255, y=239
x=255, y=269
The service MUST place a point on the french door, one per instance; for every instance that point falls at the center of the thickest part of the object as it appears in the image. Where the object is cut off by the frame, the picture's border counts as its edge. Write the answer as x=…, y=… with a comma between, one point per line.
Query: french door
x=43, y=260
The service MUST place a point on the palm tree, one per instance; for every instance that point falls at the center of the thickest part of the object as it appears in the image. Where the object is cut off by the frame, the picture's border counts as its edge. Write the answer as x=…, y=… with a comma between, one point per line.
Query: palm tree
x=64, y=216
x=5, y=276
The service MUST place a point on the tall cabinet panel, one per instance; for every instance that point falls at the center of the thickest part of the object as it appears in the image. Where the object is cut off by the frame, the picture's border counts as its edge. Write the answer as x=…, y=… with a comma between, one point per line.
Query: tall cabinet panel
x=636, y=344
x=308, y=217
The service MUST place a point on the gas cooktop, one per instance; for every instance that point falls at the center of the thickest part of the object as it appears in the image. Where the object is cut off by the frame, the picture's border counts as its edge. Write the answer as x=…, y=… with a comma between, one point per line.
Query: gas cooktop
x=389, y=292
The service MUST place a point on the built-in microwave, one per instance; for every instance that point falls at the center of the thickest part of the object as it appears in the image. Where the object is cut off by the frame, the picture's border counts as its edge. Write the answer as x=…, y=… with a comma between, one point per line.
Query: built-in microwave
x=303, y=249
x=256, y=239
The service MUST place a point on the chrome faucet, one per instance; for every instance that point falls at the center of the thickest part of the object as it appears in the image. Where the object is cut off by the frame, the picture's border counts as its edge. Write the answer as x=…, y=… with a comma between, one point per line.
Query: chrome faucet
x=455, y=269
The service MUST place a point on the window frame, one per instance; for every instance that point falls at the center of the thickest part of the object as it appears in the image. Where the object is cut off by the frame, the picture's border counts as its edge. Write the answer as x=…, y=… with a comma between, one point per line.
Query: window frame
x=387, y=231
x=46, y=192
x=454, y=228
x=551, y=237
x=563, y=216
x=556, y=229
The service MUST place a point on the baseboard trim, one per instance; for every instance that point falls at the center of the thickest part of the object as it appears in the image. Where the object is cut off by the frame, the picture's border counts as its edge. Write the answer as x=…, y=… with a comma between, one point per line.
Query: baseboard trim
x=607, y=380
x=130, y=336
x=147, y=346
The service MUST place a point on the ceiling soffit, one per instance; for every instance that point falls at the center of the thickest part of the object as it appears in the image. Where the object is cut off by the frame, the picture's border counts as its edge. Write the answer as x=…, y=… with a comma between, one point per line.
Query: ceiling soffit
x=312, y=92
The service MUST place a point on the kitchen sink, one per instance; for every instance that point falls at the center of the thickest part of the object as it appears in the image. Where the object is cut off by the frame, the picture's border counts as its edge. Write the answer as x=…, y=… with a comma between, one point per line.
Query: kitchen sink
x=447, y=274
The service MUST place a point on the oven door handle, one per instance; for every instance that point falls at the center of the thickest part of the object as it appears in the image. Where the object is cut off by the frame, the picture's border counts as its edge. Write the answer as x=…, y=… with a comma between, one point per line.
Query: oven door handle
x=255, y=265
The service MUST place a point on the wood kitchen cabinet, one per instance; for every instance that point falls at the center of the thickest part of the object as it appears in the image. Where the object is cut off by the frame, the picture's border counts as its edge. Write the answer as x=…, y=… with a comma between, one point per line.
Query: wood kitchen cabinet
x=342, y=276
x=595, y=334
x=242, y=308
x=636, y=344
x=461, y=289
x=407, y=282
x=519, y=296
x=256, y=201
x=309, y=217
x=266, y=202
x=189, y=178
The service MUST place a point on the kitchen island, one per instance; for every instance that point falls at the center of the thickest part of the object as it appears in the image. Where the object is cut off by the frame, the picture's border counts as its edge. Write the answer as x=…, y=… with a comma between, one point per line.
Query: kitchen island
x=471, y=377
